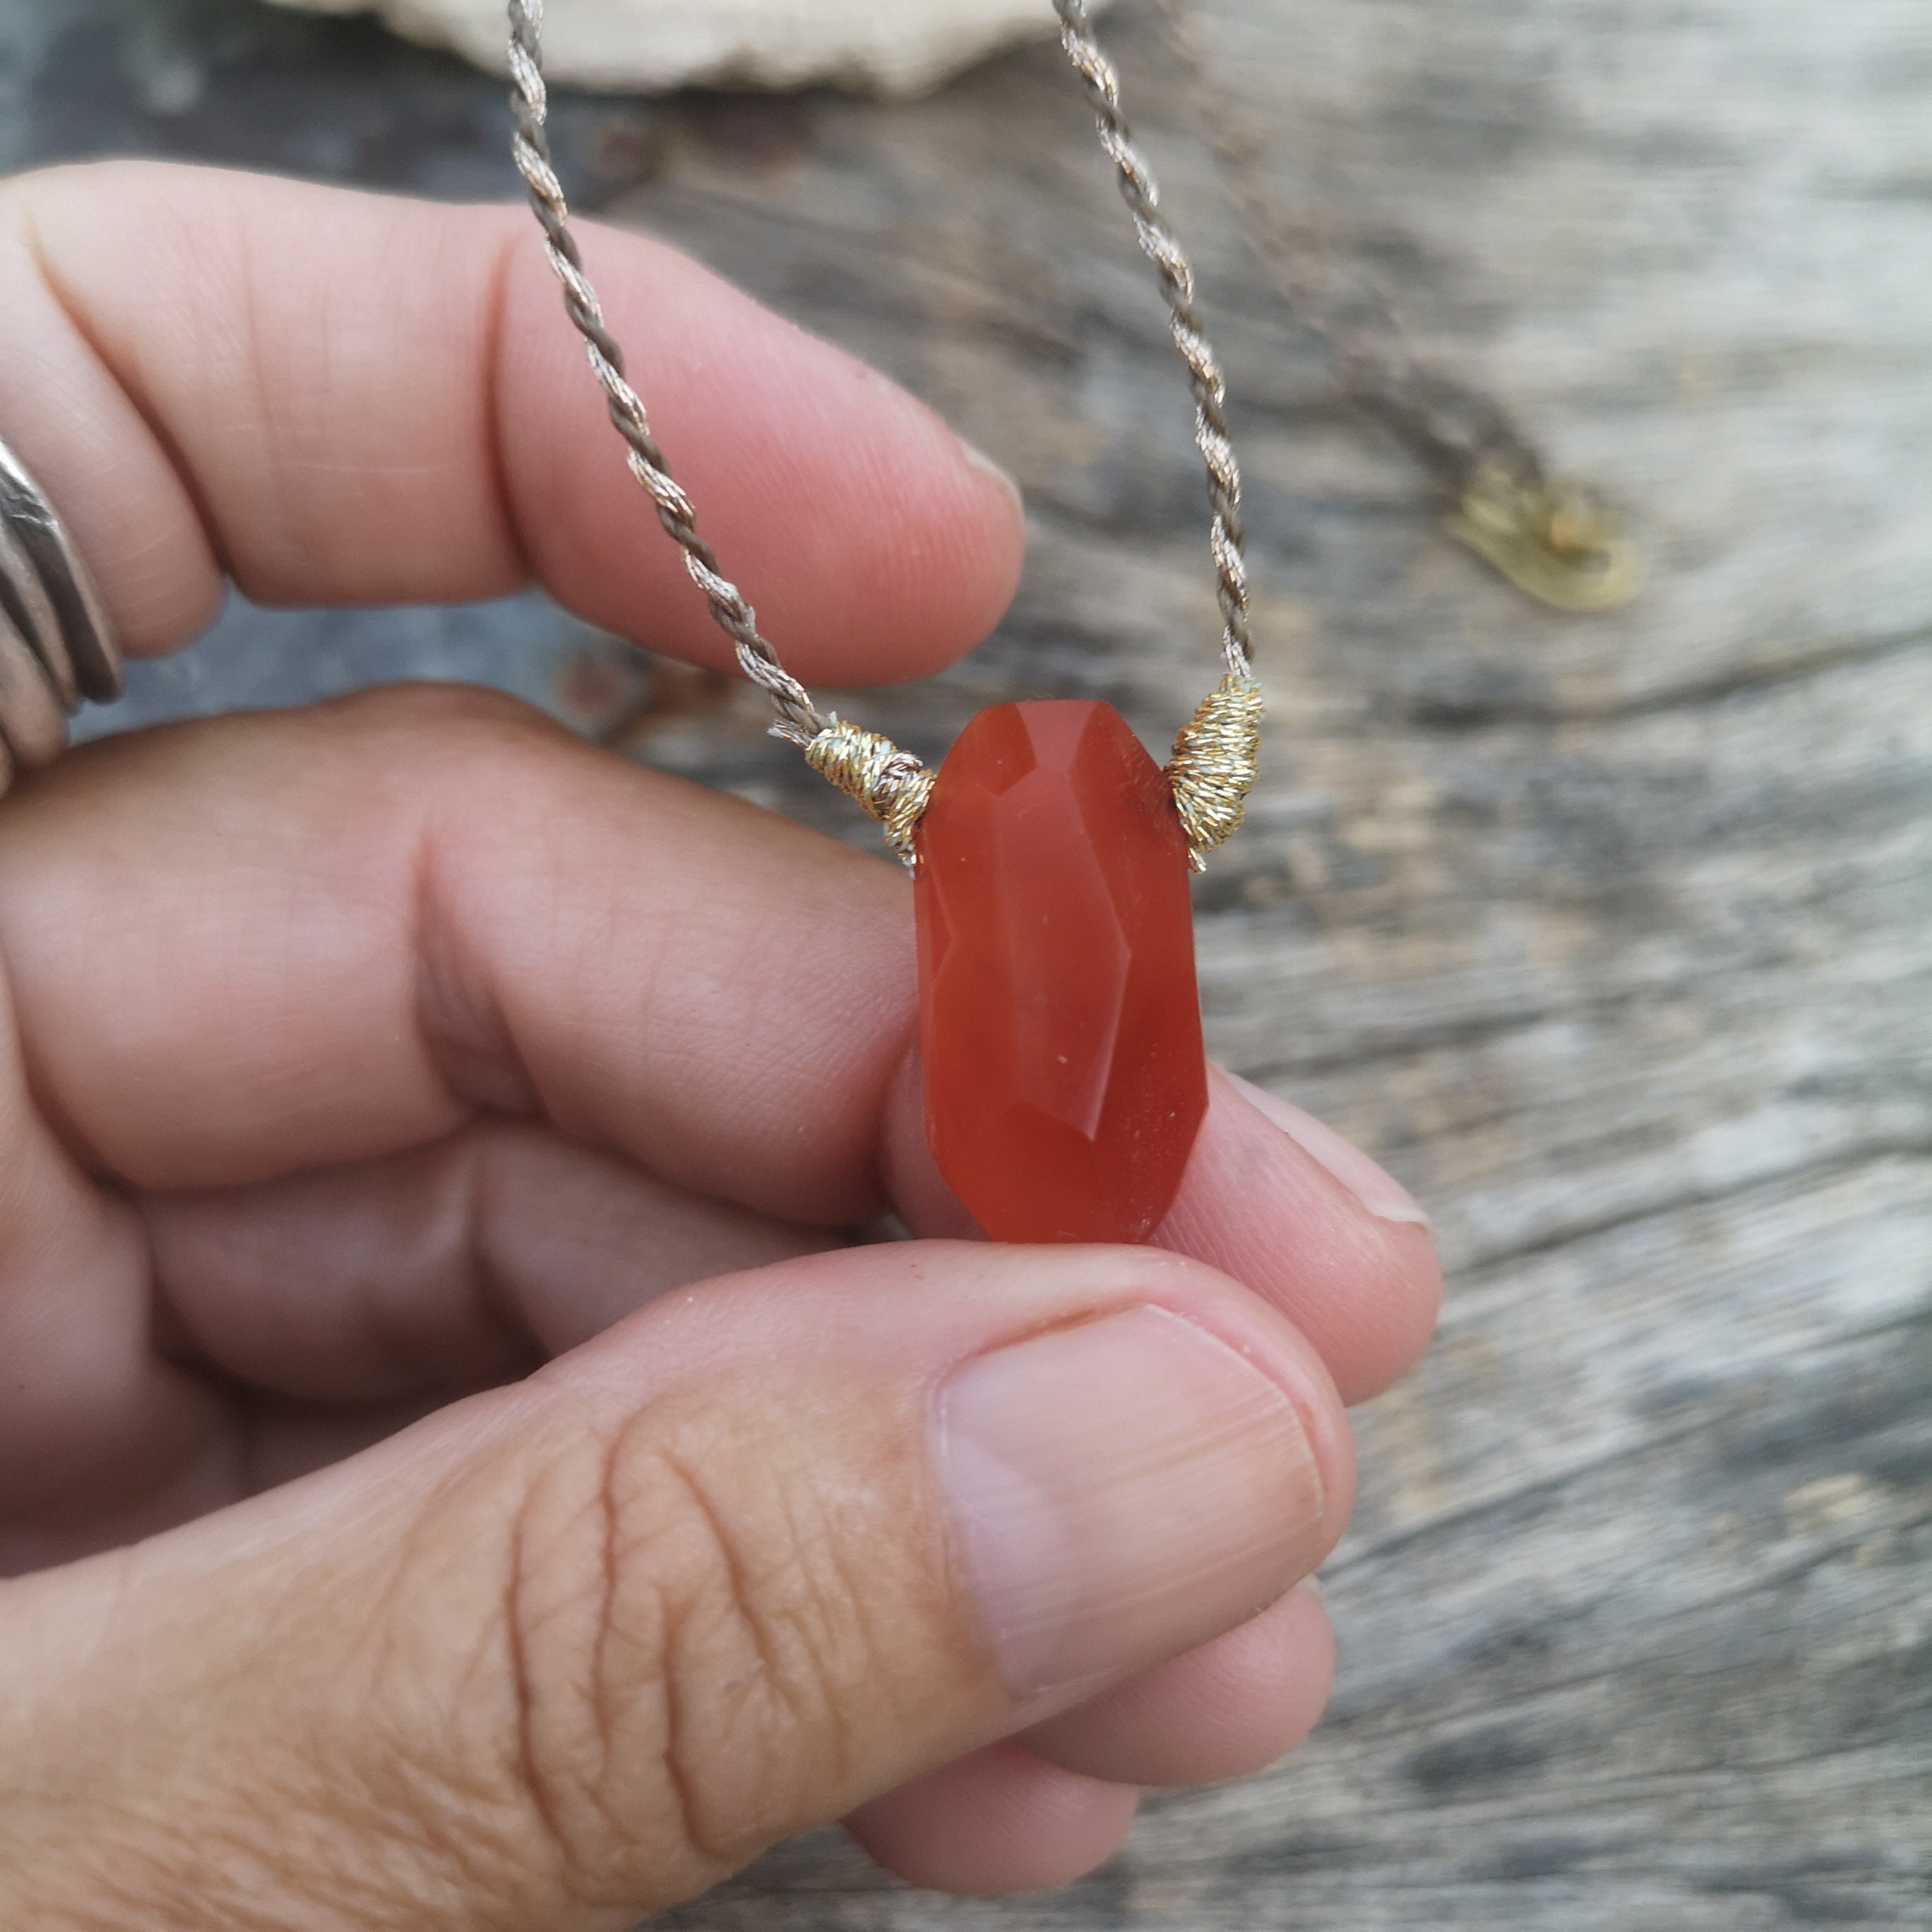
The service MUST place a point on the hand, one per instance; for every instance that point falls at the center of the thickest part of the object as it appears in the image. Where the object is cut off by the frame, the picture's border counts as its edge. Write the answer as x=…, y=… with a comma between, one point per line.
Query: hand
x=457, y=1469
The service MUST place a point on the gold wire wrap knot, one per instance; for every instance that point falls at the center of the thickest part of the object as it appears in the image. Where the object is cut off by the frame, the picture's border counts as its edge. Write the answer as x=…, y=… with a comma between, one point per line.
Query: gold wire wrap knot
x=1216, y=759
x=889, y=783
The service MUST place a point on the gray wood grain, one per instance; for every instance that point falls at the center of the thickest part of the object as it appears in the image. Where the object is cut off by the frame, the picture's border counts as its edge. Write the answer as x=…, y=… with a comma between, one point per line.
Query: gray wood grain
x=1613, y=936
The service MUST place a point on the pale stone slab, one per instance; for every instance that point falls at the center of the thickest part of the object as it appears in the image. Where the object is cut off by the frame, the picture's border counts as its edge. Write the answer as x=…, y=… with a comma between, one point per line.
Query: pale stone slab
x=902, y=48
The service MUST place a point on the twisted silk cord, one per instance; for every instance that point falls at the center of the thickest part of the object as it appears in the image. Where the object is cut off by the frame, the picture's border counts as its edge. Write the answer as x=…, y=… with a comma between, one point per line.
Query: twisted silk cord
x=1215, y=759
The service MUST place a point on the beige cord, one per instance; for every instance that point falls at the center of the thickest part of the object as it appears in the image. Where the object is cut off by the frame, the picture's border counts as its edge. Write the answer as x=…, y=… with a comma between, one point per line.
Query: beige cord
x=1214, y=762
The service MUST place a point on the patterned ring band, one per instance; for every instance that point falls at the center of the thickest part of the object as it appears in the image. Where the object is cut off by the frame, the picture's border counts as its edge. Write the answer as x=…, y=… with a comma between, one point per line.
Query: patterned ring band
x=56, y=644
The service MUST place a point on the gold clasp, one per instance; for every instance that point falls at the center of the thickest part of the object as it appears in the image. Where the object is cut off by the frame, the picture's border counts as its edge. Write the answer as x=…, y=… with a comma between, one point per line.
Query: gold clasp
x=1558, y=541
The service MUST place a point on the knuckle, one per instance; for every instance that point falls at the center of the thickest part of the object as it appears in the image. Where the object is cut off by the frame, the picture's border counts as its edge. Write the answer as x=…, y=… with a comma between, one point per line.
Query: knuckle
x=465, y=717
x=680, y=1631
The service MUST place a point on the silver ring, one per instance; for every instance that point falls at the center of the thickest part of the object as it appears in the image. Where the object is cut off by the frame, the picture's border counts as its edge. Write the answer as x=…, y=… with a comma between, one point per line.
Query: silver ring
x=57, y=645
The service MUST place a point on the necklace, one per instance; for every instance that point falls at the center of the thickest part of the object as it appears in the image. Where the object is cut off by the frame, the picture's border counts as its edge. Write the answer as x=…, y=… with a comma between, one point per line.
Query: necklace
x=1060, y=1025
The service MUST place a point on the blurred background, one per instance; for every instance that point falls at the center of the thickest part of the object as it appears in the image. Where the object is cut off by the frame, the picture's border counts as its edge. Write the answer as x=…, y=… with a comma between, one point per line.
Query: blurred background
x=1611, y=934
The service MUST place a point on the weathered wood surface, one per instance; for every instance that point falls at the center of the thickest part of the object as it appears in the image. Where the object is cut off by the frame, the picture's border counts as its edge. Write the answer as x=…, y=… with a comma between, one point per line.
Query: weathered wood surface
x=1613, y=936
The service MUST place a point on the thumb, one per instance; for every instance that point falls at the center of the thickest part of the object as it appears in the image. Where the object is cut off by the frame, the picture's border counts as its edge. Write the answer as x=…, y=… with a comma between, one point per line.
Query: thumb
x=574, y=1650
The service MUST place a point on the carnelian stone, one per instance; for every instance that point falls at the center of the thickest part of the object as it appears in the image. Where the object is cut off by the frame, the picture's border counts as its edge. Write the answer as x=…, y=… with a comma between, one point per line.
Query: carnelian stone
x=1059, y=1022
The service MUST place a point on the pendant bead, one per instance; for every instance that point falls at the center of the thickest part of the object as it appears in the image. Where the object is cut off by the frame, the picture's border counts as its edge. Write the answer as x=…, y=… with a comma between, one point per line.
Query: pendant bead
x=1060, y=1023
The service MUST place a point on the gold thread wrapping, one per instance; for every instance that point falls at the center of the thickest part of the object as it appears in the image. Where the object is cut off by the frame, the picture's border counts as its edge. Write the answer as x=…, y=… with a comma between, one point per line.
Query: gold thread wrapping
x=1216, y=759
x=889, y=783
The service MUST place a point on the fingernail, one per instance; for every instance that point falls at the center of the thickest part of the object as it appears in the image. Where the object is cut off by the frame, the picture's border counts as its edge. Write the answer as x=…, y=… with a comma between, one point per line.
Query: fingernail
x=1374, y=1187
x=980, y=459
x=1123, y=1489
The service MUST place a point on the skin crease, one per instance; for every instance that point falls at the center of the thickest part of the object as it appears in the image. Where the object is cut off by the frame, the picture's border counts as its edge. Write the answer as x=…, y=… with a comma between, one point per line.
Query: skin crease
x=352, y=1060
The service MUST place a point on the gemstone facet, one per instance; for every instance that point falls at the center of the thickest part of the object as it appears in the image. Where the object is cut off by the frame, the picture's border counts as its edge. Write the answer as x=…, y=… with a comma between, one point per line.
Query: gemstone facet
x=1060, y=1025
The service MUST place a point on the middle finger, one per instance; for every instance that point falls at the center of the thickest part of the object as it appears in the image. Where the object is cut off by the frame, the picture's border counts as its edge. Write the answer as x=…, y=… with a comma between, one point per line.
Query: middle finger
x=247, y=949
x=469, y=1261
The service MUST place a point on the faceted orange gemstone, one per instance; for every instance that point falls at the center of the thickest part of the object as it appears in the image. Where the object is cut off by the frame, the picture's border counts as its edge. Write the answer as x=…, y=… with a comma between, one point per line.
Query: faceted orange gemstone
x=1059, y=1021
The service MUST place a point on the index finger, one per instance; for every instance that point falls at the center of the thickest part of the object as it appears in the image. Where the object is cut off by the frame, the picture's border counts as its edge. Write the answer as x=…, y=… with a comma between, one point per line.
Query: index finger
x=343, y=397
